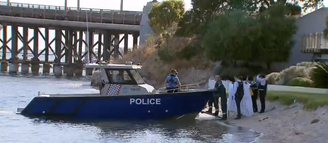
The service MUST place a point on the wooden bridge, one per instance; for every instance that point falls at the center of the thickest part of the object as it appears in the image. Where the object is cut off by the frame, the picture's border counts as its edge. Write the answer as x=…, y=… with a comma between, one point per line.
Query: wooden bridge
x=69, y=24
x=70, y=13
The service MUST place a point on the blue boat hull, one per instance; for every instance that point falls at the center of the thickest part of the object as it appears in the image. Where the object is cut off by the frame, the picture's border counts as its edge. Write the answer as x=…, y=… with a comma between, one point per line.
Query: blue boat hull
x=143, y=107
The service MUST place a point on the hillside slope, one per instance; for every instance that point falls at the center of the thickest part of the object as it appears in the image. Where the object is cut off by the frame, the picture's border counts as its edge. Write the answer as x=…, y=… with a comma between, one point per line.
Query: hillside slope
x=155, y=69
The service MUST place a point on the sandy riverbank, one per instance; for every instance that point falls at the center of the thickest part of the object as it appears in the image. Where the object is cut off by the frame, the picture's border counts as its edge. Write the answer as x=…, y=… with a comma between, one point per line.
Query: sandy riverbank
x=288, y=124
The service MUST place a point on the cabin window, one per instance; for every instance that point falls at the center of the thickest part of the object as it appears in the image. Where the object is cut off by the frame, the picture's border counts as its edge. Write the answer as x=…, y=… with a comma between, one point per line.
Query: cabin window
x=120, y=77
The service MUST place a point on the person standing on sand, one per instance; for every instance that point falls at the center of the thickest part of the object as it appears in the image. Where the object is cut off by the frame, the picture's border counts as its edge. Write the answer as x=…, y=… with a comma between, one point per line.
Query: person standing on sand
x=220, y=92
x=262, y=87
x=231, y=102
x=214, y=100
x=254, y=87
x=238, y=91
x=172, y=82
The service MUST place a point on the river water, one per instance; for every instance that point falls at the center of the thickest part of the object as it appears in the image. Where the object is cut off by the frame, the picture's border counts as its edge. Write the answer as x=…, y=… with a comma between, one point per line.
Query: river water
x=14, y=128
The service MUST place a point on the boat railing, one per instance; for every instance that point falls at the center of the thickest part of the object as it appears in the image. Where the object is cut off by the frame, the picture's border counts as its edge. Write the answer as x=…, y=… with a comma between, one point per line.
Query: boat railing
x=183, y=88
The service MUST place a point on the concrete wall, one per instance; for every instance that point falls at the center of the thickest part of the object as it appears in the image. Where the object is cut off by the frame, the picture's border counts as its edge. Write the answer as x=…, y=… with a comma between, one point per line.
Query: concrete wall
x=310, y=23
x=145, y=29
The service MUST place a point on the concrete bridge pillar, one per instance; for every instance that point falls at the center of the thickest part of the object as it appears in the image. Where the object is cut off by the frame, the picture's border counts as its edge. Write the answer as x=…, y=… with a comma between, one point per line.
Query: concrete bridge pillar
x=58, y=70
x=46, y=68
x=88, y=71
x=78, y=70
x=13, y=68
x=4, y=66
x=69, y=70
x=25, y=68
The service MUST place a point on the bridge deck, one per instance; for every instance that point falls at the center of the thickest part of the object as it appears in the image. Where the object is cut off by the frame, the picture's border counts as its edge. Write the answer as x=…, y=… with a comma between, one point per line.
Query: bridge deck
x=53, y=24
x=70, y=14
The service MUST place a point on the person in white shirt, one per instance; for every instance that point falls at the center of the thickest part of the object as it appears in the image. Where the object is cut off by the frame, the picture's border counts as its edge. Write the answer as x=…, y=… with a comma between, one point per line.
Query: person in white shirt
x=238, y=91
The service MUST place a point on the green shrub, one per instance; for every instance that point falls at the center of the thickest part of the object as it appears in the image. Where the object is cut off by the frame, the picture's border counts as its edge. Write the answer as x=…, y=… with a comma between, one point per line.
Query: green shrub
x=320, y=75
x=166, y=55
x=188, y=52
x=300, y=81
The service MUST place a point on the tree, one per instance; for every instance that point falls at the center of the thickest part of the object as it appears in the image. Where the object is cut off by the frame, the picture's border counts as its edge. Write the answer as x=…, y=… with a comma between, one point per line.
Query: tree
x=277, y=35
x=230, y=37
x=164, y=15
x=236, y=35
x=196, y=20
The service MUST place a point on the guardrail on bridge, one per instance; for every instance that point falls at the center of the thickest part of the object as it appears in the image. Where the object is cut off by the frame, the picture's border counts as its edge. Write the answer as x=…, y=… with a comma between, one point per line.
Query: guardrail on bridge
x=70, y=14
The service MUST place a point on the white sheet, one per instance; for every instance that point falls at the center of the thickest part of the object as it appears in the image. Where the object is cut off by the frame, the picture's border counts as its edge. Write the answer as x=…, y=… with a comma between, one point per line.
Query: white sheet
x=246, y=103
x=231, y=102
x=246, y=106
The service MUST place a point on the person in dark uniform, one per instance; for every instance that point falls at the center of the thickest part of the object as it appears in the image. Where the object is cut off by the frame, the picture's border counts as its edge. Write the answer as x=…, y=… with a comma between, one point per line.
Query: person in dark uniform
x=254, y=88
x=238, y=88
x=214, y=100
x=262, y=87
x=220, y=91
x=172, y=82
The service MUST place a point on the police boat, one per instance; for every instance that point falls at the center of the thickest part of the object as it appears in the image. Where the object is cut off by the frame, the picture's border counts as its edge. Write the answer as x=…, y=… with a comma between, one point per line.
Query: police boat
x=124, y=95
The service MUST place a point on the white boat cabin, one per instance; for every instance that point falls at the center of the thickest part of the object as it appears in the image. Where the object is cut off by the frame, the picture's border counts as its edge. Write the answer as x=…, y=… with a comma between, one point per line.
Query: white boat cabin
x=122, y=79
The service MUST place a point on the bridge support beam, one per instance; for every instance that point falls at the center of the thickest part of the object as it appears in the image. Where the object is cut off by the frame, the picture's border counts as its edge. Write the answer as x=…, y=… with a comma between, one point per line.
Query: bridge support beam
x=4, y=63
x=107, y=45
x=90, y=45
x=35, y=66
x=116, y=46
x=13, y=66
x=126, y=43
x=135, y=41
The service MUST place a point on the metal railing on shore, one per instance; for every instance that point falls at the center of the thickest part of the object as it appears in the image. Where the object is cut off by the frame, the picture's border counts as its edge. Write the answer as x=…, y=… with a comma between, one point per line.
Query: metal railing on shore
x=314, y=43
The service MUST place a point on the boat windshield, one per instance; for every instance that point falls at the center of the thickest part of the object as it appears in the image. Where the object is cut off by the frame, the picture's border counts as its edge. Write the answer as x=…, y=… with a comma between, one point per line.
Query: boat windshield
x=124, y=77
x=137, y=77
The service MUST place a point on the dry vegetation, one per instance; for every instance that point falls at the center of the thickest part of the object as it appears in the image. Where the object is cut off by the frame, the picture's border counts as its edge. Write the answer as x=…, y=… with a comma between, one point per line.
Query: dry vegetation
x=155, y=70
x=300, y=71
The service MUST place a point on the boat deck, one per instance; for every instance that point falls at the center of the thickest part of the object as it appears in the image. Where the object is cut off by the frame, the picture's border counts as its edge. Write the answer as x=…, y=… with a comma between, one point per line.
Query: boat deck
x=97, y=94
x=69, y=95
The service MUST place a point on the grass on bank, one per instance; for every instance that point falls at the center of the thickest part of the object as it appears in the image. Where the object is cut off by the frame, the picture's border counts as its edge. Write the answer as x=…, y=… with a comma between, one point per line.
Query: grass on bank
x=309, y=100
